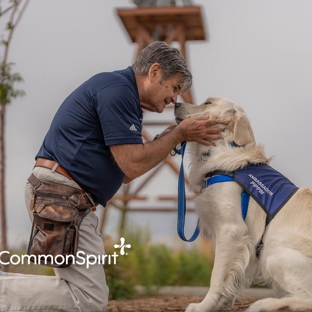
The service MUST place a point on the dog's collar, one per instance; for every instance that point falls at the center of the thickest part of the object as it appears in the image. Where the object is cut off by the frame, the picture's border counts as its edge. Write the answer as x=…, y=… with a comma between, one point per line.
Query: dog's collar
x=218, y=172
x=234, y=144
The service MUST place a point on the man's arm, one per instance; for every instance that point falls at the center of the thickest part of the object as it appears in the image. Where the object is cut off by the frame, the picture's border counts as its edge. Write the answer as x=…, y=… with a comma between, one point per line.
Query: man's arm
x=136, y=159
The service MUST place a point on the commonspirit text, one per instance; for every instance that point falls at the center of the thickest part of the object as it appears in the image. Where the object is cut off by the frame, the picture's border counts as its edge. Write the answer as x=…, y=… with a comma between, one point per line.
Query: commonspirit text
x=81, y=259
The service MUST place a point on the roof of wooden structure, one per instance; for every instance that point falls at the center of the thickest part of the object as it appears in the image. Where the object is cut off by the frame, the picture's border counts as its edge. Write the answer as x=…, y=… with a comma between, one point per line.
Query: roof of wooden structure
x=149, y=17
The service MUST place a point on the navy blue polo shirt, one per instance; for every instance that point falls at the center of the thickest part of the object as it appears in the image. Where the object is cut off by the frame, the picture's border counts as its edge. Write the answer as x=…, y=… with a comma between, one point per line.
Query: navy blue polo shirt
x=103, y=111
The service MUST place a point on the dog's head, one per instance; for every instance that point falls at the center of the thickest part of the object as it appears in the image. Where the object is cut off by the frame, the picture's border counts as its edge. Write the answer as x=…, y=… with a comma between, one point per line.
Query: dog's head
x=238, y=129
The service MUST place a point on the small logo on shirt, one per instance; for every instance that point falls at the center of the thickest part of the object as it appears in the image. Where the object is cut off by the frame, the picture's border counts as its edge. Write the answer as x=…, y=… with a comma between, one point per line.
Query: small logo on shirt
x=133, y=128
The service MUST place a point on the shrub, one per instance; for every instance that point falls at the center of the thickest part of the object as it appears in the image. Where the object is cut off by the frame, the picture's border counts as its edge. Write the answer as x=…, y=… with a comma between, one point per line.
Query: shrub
x=151, y=265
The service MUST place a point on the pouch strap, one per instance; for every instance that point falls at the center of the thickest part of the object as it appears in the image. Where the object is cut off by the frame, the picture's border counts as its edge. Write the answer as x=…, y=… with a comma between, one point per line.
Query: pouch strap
x=77, y=197
x=34, y=181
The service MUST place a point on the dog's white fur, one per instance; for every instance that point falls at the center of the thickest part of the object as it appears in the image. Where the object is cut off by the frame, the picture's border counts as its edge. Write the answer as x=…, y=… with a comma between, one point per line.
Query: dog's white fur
x=286, y=257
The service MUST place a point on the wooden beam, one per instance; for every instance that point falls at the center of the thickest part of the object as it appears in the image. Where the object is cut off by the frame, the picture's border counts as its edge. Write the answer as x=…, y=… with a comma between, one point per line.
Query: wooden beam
x=150, y=17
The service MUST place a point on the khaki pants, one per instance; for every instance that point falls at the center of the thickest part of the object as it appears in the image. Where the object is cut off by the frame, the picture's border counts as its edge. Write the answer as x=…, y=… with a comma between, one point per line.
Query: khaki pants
x=75, y=288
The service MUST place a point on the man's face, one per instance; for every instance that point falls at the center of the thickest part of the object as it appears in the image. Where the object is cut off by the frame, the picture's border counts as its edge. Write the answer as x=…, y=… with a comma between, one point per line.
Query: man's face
x=161, y=92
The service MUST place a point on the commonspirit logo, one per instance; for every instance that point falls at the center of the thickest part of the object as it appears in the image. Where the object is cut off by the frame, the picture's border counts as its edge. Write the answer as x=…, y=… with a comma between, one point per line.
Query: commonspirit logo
x=80, y=259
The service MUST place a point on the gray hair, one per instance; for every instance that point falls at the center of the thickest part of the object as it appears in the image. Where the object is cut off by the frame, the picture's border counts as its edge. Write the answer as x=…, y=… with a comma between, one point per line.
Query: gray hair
x=170, y=60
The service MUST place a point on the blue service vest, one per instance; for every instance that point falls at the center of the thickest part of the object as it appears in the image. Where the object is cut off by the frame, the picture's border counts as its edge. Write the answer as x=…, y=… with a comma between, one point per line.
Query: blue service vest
x=268, y=187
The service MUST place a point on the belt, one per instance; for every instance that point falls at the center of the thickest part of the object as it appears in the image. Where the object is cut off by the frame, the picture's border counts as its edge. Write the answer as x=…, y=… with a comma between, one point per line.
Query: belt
x=49, y=164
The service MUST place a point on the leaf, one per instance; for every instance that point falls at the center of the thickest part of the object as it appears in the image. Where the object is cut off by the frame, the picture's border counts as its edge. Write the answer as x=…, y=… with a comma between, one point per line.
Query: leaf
x=4, y=42
x=7, y=81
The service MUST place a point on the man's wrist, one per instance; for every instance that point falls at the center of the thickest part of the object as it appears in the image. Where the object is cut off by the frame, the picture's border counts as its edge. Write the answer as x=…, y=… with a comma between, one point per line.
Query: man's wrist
x=178, y=132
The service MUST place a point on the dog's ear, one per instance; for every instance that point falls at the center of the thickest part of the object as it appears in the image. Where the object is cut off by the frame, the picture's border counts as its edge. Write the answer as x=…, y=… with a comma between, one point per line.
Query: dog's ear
x=243, y=133
x=227, y=116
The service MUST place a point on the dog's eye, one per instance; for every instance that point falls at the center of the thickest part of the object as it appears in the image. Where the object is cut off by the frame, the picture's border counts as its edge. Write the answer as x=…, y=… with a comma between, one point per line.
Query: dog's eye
x=207, y=102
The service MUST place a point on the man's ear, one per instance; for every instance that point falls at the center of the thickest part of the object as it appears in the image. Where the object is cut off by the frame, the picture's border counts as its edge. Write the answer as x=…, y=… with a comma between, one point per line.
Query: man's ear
x=154, y=72
x=243, y=133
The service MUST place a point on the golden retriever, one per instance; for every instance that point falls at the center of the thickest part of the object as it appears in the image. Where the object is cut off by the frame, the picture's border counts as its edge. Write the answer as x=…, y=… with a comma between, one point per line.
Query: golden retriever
x=285, y=260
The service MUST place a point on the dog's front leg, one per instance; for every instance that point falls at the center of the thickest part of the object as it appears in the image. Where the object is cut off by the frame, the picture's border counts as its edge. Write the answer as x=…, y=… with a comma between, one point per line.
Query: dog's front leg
x=232, y=256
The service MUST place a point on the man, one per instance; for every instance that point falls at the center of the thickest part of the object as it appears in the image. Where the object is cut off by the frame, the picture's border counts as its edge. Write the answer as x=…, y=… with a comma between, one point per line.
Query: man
x=94, y=143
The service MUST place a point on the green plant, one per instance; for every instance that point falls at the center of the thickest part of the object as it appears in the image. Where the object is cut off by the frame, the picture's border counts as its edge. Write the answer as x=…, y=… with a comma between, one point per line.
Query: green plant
x=119, y=281
x=154, y=265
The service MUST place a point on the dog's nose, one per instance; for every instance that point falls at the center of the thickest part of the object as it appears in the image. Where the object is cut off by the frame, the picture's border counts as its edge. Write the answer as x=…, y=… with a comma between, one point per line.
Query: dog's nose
x=177, y=104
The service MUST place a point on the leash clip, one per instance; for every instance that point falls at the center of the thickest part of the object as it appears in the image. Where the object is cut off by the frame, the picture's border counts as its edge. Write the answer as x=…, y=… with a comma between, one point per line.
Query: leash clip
x=179, y=151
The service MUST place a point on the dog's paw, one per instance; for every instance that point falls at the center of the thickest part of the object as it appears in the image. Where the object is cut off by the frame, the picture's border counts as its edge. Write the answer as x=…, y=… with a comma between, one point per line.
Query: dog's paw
x=274, y=304
x=193, y=307
x=200, y=307
x=226, y=303
x=268, y=304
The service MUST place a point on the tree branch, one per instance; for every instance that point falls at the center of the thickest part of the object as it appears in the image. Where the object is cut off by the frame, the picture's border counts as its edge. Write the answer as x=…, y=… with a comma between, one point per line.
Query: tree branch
x=7, y=9
x=12, y=26
x=21, y=12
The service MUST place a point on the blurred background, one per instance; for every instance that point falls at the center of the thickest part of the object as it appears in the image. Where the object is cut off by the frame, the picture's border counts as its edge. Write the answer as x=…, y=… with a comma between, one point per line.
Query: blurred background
x=256, y=53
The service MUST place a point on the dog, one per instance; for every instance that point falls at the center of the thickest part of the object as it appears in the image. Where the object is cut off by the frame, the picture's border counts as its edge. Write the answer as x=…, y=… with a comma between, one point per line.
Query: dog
x=274, y=249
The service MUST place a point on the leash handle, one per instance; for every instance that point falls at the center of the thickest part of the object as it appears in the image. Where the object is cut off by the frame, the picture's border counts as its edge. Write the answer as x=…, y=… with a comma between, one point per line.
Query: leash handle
x=182, y=201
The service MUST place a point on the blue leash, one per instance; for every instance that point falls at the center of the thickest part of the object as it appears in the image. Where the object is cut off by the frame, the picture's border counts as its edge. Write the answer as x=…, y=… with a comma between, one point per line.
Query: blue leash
x=182, y=201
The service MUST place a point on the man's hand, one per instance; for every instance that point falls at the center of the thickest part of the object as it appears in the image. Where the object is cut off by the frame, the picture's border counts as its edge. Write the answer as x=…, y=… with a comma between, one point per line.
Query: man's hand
x=198, y=129
x=136, y=159
x=201, y=129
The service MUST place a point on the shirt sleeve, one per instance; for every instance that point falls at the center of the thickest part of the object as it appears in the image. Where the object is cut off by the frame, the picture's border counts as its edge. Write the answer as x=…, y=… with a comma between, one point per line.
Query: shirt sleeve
x=120, y=114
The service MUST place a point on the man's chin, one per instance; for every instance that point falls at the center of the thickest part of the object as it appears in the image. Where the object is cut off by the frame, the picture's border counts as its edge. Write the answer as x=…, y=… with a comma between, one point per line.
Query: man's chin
x=153, y=108
x=160, y=109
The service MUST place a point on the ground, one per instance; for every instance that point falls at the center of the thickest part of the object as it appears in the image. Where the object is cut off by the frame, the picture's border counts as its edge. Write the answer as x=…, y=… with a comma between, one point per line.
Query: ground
x=169, y=303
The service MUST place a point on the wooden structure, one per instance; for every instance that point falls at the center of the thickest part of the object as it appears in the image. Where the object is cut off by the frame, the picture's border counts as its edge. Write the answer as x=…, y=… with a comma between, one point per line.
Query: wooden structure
x=145, y=25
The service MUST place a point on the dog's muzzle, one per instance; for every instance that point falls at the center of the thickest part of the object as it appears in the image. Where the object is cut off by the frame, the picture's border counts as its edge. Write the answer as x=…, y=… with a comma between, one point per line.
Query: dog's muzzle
x=177, y=119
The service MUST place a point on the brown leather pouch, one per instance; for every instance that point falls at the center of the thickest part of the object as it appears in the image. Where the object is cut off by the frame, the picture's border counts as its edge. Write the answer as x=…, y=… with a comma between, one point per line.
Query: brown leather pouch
x=58, y=211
